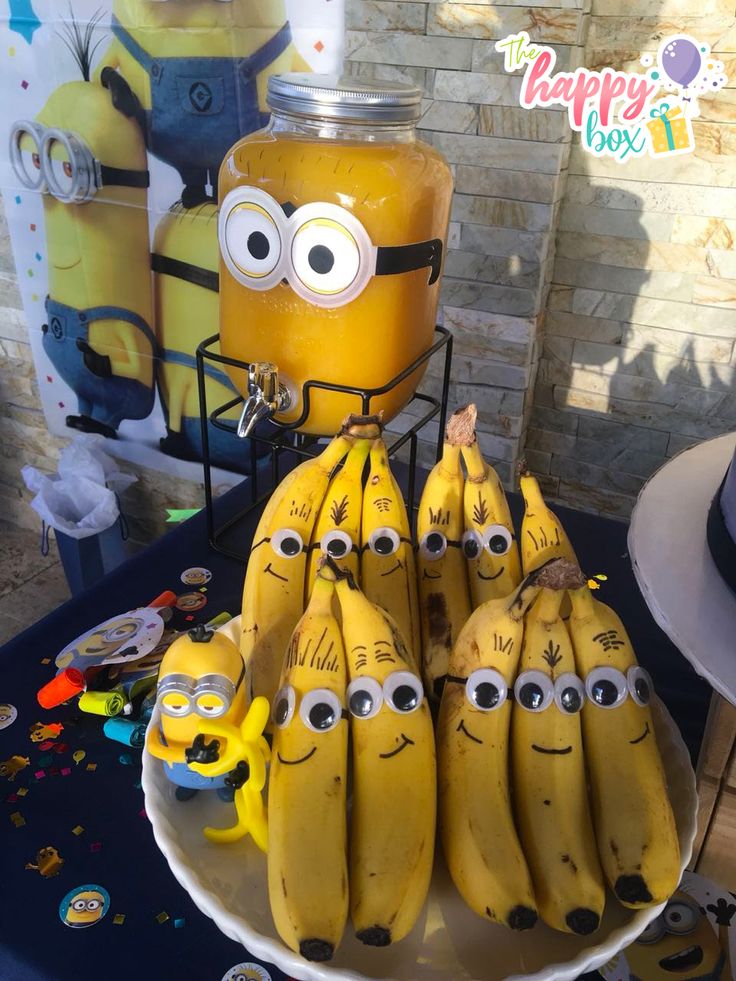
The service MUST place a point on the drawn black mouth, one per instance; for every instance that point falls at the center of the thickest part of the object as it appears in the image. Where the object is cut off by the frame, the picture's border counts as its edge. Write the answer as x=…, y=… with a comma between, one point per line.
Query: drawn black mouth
x=552, y=752
x=426, y=575
x=684, y=960
x=394, y=752
x=270, y=571
x=391, y=571
x=461, y=728
x=303, y=759
x=642, y=737
x=489, y=578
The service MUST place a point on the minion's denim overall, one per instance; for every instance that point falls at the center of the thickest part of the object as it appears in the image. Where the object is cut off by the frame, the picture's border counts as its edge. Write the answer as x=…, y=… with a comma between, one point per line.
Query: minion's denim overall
x=108, y=400
x=202, y=106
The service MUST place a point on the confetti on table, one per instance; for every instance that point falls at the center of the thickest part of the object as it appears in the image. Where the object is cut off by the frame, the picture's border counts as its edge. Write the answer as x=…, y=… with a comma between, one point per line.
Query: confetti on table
x=22, y=791
x=61, y=747
x=17, y=818
x=162, y=917
x=126, y=759
x=46, y=746
x=54, y=771
x=12, y=798
x=39, y=774
x=92, y=767
x=142, y=813
x=179, y=922
x=46, y=660
x=45, y=759
x=78, y=755
x=96, y=846
x=118, y=919
x=78, y=830
x=65, y=771
x=190, y=617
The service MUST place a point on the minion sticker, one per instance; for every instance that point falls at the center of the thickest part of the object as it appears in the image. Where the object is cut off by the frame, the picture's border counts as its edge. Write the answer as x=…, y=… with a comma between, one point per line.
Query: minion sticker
x=127, y=637
x=84, y=906
x=199, y=70
x=8, y=715
x=247, y=972
x=689, y=940
x=196, y=576
x=86, y=156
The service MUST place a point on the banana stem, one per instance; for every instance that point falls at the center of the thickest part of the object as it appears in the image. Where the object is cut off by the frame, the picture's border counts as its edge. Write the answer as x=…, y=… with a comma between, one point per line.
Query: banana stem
x=548, y=605
x=531, y=493
x=474, y=463
x=450, y=462
x=582, y=602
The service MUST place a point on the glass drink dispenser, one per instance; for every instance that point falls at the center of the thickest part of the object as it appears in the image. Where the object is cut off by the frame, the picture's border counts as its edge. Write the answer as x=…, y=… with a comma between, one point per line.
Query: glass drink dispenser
x=332, y=231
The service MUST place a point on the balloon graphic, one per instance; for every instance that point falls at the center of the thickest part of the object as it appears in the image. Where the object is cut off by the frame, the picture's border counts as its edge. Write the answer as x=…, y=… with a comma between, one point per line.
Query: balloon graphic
x=679, y=58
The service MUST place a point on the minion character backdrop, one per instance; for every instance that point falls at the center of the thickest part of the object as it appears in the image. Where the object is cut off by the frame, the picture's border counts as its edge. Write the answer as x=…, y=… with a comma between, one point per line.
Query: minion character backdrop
x=117, y=116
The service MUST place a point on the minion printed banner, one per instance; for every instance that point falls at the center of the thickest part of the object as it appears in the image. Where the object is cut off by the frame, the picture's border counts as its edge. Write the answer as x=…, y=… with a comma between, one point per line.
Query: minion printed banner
x=116, y=117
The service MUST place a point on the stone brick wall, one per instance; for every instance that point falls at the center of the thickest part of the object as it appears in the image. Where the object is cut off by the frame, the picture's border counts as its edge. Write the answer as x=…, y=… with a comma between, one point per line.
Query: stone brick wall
x=638, y=355
x=509, y=167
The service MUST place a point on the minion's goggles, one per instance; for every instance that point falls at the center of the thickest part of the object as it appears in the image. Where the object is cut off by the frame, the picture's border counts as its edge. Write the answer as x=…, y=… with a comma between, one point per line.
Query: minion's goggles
x=210, y=696
x=48, y=159
x=322, y=250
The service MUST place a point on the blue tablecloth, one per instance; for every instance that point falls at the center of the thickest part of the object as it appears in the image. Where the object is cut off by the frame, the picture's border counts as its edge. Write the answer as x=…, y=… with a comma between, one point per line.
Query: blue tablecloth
x=115, y=849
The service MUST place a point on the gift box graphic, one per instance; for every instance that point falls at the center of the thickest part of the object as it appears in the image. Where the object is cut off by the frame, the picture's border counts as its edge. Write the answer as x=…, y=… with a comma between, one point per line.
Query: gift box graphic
x=670, y=130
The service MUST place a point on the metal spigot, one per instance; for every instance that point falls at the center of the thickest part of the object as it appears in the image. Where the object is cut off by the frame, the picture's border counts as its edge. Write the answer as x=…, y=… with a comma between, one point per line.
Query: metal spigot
x=266, y=395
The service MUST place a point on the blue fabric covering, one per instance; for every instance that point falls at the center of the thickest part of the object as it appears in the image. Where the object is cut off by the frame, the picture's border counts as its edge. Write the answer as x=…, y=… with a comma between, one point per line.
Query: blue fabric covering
x=35, y=946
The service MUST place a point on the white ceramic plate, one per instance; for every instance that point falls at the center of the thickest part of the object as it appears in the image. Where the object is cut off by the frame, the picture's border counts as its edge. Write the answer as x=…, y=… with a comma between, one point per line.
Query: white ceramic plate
x=228, y=883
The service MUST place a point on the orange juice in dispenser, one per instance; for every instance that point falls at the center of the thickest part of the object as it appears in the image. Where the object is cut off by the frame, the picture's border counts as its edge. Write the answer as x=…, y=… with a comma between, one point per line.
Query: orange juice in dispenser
x=332, y=230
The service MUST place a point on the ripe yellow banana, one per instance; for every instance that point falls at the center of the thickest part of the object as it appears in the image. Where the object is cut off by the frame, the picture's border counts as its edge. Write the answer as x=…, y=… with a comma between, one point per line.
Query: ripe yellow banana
x=444, y=596
x=392, y=829
x=480, y=843
x=634, y=825
x=307, y=819
x=273, y=594
x=489, y=543
x=548, y=774
x=388, y=575
x=337, y=530
x=542, y=535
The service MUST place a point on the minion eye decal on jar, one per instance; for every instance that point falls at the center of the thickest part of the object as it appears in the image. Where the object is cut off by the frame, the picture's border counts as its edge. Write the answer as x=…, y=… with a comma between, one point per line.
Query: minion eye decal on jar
x=321, y=250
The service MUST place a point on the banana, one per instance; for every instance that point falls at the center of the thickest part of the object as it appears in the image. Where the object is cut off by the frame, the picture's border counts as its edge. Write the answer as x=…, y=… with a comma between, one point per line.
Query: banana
x=480, y=843
x=542, y=535
x=444, y=596
x=489, y=543
x=307, y=819
x=392, y=828
x=388, y=574
x=337, y=530
x=633, y=819
x=548, y=774
x=273, y=594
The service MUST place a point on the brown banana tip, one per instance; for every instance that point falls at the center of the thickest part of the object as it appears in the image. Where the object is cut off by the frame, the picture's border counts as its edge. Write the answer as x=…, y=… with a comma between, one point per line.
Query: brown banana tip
x=363, y=427
x=521, y=469
x=327, y=568
x=460, y=429
x=559, y=574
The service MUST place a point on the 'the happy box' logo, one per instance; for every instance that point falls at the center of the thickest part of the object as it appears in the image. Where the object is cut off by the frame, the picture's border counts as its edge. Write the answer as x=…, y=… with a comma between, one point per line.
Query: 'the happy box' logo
x=616, y=112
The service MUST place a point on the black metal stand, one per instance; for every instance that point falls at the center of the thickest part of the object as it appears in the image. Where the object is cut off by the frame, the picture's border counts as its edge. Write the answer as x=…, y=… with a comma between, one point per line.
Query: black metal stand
x=290, y=446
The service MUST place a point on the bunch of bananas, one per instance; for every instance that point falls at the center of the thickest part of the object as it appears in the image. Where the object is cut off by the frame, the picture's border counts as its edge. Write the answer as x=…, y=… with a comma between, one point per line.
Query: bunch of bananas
x=357, y=676
x=524, y=831
x=321, y=508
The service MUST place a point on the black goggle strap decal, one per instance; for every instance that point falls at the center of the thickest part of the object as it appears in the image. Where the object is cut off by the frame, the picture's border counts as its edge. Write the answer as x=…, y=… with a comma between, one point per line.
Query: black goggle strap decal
x=190, y=273
x=123, y=178
x=393, y=259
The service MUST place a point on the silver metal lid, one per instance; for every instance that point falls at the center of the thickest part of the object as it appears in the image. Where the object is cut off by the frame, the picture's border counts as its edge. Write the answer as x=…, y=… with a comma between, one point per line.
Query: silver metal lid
x=341, y=97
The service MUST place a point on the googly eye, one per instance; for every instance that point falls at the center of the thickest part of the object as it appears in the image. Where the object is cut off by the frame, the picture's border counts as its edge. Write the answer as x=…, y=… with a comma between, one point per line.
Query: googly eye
x=79, y=905
x=534, y=691
x=606, y=687
x=679, y=917
x=486, y=689
x=250, y=237
x=432, y=545
x=653, y=932
x=365, y=698
x=384, y=541
x=284, y=703
x=639, y=684
x=320, y=710
x=472, y=544
x=403, y=692
x=93, y=904
x=338, y=544
x=287, y=543
x=569, y=693
x=497, y=539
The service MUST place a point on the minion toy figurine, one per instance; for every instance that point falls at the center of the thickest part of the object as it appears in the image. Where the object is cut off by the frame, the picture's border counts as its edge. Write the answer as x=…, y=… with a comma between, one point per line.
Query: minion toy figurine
x=185, y=260
x=87, y=156
x=202, y=677
x=199, y=69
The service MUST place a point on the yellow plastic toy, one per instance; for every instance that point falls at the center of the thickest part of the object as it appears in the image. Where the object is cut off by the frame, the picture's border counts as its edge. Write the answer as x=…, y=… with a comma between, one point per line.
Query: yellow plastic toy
x=247, y=754
x=90, y=158
x=202, y=677
x=331, y=254
x=199, y=70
